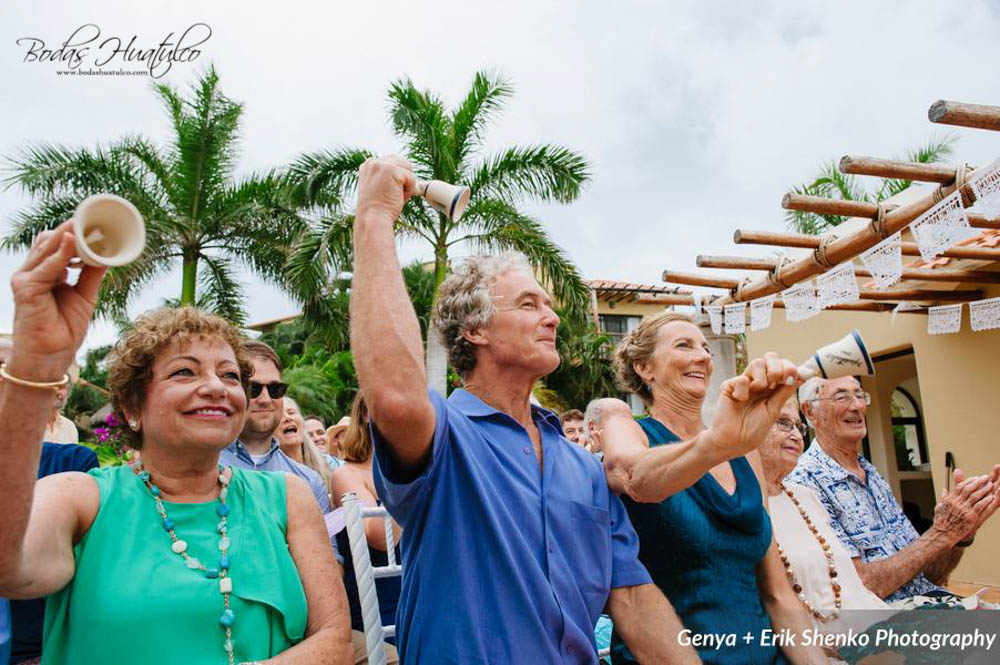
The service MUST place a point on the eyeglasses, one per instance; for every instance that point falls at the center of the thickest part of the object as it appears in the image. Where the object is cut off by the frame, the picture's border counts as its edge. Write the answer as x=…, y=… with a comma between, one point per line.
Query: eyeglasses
x=787, y=425
x=843, y=399
x=276, y=389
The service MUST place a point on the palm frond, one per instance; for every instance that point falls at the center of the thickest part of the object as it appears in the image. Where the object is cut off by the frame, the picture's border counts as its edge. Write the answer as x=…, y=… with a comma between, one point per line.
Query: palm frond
x=146, y=154
x=47, y=213
x=487, y=95
x=420, y=117
x=542, y=173
x=122, y=283
x=219, y=290
x=206, y=142
x=325, y=178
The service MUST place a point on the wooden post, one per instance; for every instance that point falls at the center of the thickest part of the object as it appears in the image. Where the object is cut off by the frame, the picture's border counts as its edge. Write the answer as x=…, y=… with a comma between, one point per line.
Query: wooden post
x=734, y=262
x=965, y=115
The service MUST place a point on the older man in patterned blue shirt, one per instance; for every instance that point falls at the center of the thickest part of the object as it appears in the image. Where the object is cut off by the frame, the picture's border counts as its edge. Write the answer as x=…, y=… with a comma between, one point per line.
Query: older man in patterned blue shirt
x=892, y=560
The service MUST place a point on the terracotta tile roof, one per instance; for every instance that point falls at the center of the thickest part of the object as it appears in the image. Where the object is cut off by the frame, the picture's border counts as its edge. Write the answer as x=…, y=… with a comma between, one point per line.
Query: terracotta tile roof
x=612, y=285
x=987, y=238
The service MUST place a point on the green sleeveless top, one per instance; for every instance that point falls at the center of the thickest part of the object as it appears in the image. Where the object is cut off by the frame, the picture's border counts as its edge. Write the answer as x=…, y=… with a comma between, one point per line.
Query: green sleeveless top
x=132, y=600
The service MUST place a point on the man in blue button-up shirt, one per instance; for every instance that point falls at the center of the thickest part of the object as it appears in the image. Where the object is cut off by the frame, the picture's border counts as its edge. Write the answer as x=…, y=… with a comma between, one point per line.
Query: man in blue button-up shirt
x=892, y=559
x=512, y=542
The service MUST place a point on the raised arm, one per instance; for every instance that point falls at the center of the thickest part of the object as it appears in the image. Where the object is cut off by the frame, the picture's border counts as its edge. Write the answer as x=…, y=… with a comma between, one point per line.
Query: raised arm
x=385, y=333
x=50, y=320
x=747, y=408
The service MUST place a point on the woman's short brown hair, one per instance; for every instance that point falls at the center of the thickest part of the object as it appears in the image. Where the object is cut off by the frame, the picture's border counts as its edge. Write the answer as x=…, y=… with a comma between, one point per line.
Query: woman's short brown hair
x=639, y=346
x=130, y=366
x=357, y=443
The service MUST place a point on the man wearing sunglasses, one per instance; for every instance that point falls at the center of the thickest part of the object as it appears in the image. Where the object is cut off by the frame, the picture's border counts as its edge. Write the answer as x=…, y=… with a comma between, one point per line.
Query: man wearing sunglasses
x=256, y=448
x=892, y=559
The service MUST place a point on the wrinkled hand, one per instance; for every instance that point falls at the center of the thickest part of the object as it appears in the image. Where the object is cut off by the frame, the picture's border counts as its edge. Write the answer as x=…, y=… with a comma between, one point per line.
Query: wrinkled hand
x=50, y=316
x=384, y=185
x=987, y=510
x=957, y=513
x=749, y=405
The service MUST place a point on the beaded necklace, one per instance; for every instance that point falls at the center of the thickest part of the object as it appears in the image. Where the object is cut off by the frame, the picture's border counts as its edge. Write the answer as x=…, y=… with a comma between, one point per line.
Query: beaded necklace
x=179, y=547
x=827, y=551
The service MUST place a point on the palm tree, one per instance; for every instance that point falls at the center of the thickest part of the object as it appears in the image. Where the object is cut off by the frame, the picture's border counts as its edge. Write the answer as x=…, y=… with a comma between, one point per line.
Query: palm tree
x=443, y=144
x=831, y=183
x=195, y=210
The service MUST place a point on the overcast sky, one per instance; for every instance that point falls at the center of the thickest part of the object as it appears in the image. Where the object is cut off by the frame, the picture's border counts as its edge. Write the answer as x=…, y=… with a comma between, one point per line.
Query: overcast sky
x=696, y=116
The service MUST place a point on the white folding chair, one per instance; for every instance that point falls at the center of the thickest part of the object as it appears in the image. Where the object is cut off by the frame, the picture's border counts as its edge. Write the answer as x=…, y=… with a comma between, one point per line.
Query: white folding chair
x=365, y=573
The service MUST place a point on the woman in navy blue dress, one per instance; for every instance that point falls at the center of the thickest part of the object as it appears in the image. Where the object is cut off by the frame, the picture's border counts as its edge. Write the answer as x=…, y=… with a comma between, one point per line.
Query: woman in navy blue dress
x=694, y=494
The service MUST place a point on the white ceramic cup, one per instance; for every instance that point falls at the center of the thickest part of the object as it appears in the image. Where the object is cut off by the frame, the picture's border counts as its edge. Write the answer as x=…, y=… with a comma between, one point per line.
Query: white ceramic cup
x=449, y=200
x=109, y=231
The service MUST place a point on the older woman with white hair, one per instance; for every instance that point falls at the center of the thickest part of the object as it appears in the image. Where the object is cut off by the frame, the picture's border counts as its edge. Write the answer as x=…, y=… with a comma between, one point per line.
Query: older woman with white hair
x=297, y=444
x=816, y=563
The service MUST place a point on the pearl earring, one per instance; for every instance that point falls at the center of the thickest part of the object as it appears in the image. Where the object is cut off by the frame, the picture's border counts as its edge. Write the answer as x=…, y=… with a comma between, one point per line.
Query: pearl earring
x=134, y=424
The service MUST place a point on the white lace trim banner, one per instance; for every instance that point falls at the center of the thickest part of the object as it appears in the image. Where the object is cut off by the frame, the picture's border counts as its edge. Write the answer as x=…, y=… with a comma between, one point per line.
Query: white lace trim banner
x=760, y=312
x=943, y=226
x=736, y=317
x=837, y=286
x=800, y=302
x=985, y=314
x=987, y=190
x=885, y=261
x=715, y=317
x=904, y=306
x=696, y=297
x=944, y=319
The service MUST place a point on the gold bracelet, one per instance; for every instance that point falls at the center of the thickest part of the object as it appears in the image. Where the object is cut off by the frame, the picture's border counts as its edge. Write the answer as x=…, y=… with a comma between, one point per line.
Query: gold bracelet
x=51, y=385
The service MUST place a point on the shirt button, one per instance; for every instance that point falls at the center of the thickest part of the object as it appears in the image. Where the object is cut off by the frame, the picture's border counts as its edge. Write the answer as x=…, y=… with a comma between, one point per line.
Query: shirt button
x=527, y=450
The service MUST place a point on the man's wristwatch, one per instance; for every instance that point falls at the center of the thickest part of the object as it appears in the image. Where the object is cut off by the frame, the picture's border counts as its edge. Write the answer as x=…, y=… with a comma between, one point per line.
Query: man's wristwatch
x=966, y=542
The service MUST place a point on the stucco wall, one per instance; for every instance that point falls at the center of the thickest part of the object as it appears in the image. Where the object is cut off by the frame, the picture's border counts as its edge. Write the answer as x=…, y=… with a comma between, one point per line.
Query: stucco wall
x=958, y=391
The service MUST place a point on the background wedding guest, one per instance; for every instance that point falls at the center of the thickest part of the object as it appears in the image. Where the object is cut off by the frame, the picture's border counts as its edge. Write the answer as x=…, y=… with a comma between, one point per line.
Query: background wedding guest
x=816, y=563
x=296, y=442
x=317, y=431
x=892, y=560
x=572, y=426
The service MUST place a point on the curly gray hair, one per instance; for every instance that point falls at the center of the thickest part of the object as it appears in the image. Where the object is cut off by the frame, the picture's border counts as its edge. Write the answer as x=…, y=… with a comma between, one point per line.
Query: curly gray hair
x=464, y=303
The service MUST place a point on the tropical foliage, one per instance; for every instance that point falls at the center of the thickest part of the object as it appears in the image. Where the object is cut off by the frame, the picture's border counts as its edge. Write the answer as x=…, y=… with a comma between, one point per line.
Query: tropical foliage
x=831, y=183
x=444, y=144
x=199, y=216
x=586, y=371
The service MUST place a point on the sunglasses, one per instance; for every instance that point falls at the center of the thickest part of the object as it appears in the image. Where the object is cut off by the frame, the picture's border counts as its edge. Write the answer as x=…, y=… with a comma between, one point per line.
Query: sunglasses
x=276, y=389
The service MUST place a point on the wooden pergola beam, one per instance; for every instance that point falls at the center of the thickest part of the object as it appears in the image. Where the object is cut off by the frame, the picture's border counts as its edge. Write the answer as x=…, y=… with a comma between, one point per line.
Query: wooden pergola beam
x=699, y=279
x=734, y=262
x=824, y=206
x=839, y=250
x=916, y=274
x=977, y=116
x=806, y=241
x=886, y=168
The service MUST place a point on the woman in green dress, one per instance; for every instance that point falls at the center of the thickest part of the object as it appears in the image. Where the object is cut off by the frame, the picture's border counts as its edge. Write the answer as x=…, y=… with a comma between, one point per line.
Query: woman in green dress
x=174, y=560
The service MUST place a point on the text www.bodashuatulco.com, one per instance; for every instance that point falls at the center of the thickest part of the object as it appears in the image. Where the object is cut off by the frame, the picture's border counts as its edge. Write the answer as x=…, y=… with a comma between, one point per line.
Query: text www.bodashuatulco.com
x=102, y=72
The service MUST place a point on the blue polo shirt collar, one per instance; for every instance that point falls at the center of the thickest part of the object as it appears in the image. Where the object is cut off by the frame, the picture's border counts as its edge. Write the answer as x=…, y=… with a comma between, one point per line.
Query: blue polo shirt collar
x=473, y=407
